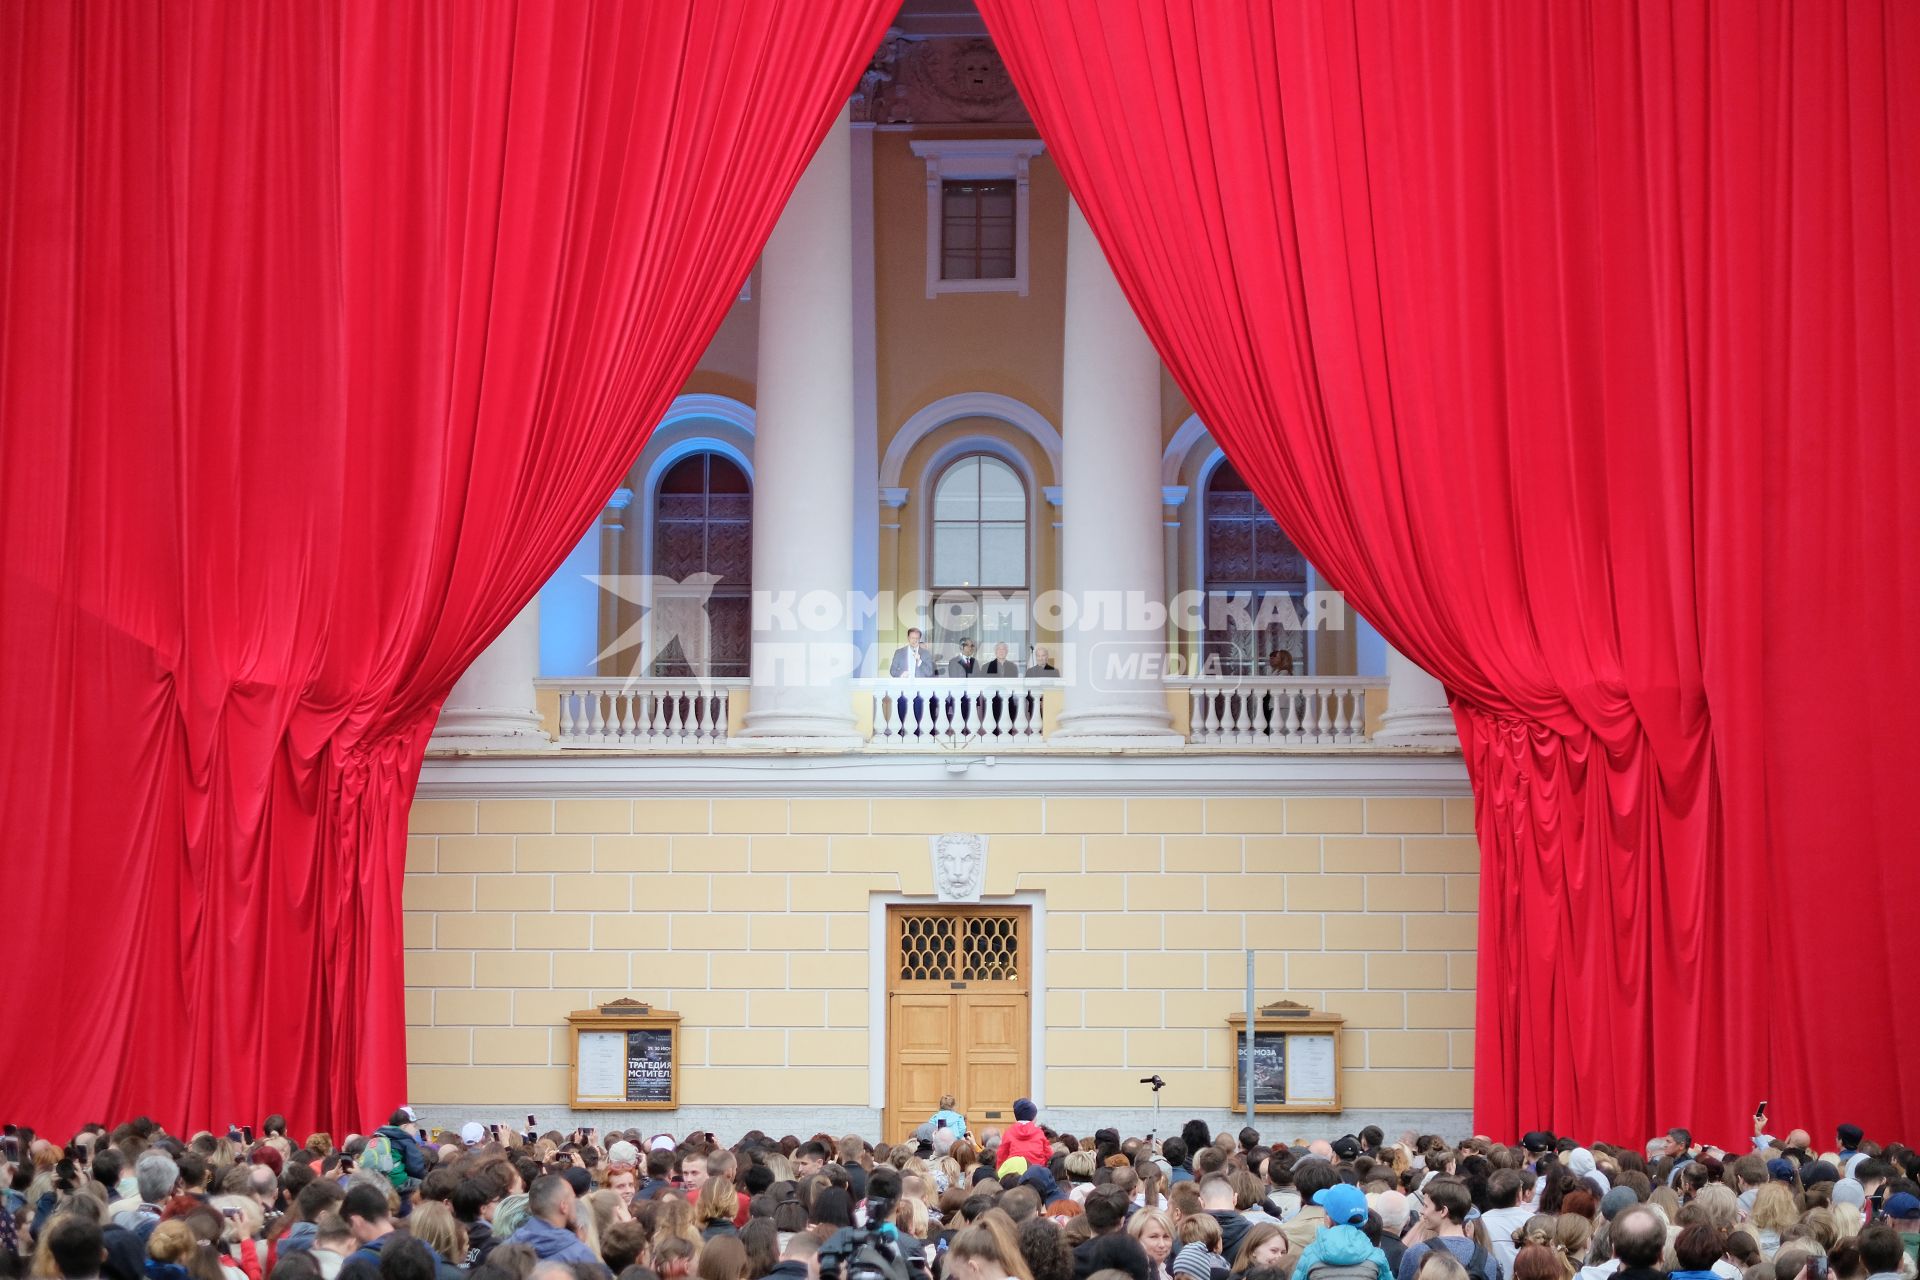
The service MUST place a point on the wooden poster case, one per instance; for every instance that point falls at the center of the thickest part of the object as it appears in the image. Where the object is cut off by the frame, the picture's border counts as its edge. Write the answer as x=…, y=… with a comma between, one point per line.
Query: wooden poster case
x=1296, y=1057
x=626, y=1057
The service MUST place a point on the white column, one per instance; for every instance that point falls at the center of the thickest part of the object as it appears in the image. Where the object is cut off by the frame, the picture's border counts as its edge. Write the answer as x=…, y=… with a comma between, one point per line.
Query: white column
x=866, y=395
x=492, y=705
x=1112, y=554
x=803, y=452
x=1417, y=713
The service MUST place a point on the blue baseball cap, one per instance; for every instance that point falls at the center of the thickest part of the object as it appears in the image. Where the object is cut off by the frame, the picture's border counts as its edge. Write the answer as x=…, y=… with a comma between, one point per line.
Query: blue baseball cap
x=1344, y=1204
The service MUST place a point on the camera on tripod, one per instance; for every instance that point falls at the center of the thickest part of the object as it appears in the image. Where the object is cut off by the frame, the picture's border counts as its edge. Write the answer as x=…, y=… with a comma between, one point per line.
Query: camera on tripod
x=866, y=1253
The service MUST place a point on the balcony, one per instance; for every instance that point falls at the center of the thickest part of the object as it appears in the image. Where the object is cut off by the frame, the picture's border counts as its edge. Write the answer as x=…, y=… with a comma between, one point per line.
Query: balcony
x=1215, y=713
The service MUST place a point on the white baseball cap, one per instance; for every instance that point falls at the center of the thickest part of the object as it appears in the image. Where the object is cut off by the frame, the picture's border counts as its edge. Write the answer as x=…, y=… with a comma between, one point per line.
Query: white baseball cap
x=473, y=1133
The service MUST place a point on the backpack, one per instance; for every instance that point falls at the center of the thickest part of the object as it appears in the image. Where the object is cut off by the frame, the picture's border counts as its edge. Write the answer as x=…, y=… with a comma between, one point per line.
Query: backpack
x=379, y=1157
x=1481, y=1265
x=1363, y=1270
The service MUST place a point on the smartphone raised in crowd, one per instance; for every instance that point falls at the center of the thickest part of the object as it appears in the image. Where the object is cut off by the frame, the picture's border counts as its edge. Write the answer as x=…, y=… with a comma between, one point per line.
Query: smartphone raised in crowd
x=246, y=1131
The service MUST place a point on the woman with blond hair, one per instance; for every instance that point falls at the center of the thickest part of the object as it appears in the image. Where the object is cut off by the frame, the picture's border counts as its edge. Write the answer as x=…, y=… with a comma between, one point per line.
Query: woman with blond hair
x=716, y=1208
x=1572, y=1240
x=174, y=1244
x=987, y=1250
x=724, y=1258
x=1153, y=1228
x=1773, y=1213
x=434, y=1226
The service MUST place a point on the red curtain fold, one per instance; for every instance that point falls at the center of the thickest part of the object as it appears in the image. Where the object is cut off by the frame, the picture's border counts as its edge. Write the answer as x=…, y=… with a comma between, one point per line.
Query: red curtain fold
x=1576, y=343
x=325, y=329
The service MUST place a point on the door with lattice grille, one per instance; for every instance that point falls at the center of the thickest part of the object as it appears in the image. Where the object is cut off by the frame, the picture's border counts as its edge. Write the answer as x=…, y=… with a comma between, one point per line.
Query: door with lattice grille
x=959, y=1013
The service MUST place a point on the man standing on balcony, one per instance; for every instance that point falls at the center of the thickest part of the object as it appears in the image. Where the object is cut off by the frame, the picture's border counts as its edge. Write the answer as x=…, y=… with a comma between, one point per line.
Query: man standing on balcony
x=963, y=667
x=1002, y=665
x=912, y=659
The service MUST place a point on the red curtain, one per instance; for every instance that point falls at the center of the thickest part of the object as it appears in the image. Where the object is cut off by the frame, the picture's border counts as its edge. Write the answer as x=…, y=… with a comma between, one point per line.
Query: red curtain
x=1576, y=342
x=325, y=329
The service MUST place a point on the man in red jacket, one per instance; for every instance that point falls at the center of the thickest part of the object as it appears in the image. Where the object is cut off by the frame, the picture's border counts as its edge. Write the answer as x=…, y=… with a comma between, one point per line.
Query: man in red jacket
x=1025, y=1138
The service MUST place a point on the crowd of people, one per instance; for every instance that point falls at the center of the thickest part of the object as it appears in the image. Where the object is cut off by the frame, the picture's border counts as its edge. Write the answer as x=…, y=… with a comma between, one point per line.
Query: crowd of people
x=492, y=1202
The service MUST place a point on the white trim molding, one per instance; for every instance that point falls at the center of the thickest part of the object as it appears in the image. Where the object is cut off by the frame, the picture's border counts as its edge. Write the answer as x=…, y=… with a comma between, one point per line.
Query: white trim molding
x=1173, y=459
x=969, y=404
x=1175, y=771
x=983, y=159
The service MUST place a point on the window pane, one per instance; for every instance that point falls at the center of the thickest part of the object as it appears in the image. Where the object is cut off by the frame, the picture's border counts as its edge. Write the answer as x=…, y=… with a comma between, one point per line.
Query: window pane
x=996, y=201
x=724, y=476
x=961, y=266
x=678, y=549
x=957, y=496
x=997, y=235
x=961, y=234
x=996, y=266
x=1002, y=496
x=956, y=555
x=1229, y=551
x=730, y=551
x=1003, y=554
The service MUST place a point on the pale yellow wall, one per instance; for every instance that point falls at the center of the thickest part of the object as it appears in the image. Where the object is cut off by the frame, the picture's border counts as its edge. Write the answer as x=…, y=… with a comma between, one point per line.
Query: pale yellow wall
x=930, y=348
x=749, y=916
x=731, y=361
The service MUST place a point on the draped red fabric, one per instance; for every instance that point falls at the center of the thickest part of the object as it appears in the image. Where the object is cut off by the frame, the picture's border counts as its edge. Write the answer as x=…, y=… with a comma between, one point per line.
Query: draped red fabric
x=1576, y=343
x=325, y=329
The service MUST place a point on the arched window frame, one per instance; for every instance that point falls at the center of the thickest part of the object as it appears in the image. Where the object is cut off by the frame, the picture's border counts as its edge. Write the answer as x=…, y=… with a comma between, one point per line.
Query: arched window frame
x=1020, y=634
x=1251, y=661
x=735, y=592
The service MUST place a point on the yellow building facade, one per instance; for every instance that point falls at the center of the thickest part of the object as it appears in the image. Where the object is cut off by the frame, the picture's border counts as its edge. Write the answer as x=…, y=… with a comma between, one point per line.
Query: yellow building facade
x=599, y=820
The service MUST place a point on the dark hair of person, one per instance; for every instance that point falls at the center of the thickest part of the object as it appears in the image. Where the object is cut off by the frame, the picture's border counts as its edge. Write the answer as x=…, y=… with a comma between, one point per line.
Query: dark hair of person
x=364, y=1201
x=1120, y=1252
x=761, y=1239
x=1175, y=1152
x=832, y=1207
x=75, y=1243
x=407, y=1259
x=298, y=1265
x=1046, y=1252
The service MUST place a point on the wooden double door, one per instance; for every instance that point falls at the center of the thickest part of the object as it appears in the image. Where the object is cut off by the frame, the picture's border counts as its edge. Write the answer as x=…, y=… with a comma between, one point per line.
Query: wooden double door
x=959, y=1013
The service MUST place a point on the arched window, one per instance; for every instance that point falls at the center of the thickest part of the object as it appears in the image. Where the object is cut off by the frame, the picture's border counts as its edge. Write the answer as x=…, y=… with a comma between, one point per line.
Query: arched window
x=1250, y=562
x=702, y=555
x=979, y=558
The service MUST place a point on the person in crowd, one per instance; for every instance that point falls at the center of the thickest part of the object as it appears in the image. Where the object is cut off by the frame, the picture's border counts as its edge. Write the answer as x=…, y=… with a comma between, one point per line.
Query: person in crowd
x=158, y=1178
x=982, y=1252
x=1443, y=1221
x=1001, y=664
x=1310, y=1177
x=1024, y=1138
x=1042, y=664
x=1510, y=1197
x=1153, y=1228
x=435, y=1226
x=368, y=1213
x=1639, y=1241
x=1341, y=1248
x=1265, y=1248
x=1218, y=1200
x=78, y=1249
x=963, y=665
x=550, y=1228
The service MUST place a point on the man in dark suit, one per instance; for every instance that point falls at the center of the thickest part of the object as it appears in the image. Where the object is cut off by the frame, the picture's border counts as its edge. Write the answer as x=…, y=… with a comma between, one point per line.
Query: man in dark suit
x=1001, y=664
x=963, y=667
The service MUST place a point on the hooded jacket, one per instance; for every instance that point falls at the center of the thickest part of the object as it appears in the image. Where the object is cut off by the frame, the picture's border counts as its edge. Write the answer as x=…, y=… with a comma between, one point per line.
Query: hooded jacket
x=1024, y=1138
x=1341, y=1246
x=550, y=1243
x=300, y=1236
x=1233, y=1229
x=406, y=1149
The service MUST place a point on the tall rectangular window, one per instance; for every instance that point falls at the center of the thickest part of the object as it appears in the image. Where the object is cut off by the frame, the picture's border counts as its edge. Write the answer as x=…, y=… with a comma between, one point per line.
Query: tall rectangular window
x=977, y=229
